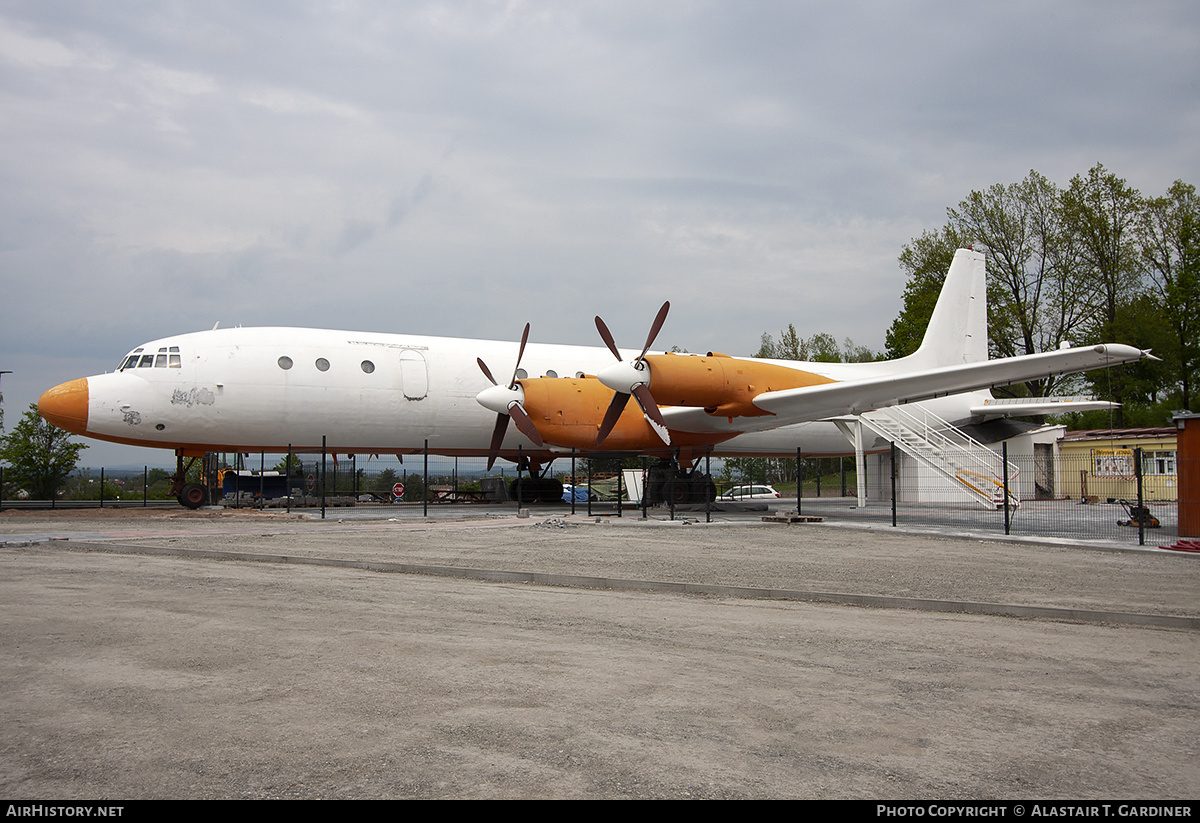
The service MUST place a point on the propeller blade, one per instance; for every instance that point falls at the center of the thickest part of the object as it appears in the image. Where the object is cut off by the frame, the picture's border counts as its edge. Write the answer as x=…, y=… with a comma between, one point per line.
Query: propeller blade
x=611, y=416
x=651, y=410
x=497, y=439
x=506, y=402
x=486, y=371
x=607, y=337
x=524, y=423
x=656, y=327
x=520, y=353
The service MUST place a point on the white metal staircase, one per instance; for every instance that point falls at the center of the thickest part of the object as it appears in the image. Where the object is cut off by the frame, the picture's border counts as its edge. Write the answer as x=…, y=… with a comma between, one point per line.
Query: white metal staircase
x=949, y=451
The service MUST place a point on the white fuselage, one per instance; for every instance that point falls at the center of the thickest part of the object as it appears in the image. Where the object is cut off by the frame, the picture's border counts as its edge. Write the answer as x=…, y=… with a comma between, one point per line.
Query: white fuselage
x=366, y=392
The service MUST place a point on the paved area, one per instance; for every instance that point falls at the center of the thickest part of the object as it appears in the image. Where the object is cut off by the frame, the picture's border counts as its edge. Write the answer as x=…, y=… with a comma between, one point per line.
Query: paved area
x=133, y=675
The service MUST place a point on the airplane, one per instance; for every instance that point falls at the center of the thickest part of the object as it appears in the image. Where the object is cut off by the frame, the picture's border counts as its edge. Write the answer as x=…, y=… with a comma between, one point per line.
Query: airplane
x=305, y=390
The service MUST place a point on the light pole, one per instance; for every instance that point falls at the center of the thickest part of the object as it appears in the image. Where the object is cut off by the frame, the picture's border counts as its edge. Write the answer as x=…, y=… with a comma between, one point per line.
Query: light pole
x=2, y=373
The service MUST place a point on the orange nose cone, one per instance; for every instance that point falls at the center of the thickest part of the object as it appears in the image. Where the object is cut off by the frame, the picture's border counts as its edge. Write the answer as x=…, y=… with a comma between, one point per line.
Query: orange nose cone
x=66, y=406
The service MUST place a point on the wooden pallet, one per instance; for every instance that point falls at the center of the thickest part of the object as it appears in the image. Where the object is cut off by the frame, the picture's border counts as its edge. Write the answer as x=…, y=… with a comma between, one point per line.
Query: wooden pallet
x=792, y=518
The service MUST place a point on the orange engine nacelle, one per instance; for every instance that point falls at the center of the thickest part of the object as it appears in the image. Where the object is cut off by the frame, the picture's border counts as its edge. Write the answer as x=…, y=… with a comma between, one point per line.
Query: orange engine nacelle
x=721, y=385
x=567, y=412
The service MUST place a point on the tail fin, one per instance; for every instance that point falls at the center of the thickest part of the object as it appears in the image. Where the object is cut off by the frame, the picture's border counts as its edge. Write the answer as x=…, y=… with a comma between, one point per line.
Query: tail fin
x=957, y=331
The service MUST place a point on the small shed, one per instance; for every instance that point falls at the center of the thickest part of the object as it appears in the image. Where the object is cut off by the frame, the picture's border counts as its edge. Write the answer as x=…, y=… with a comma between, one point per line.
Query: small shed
x=1100, y=463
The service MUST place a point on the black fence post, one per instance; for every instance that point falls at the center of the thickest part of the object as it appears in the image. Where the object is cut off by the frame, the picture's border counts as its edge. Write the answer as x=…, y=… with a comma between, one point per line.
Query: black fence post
x=1142, y=512
x=574, y=483
x=322, y=477
x=708, y=487
x=643, y=495
x=425, y=480
x=102, y=487
x=1004, y=461
x=893, y=484
x=288, y=478
x=620, y=474
x=589, y=500
x=145, y=483
x=671, y=501
x=799, y=480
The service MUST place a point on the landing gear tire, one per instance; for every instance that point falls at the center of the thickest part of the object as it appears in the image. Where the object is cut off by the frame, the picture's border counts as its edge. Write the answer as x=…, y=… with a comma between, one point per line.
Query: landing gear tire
x=677, y=491
x=193, y=495
x=689, y=489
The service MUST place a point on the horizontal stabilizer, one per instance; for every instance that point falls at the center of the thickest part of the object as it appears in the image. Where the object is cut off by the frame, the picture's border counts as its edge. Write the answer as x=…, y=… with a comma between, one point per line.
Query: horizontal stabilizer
x=1030, y=406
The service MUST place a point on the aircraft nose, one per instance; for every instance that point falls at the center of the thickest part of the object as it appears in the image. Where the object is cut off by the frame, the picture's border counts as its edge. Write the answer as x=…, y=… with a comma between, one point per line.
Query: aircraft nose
x=66, y=405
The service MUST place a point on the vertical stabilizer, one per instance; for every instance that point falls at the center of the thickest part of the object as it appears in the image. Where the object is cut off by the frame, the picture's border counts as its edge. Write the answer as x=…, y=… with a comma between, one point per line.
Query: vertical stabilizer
x=957, y=331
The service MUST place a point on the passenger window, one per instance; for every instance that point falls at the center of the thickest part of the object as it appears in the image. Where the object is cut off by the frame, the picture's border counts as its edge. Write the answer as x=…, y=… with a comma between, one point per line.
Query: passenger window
x=368, y=366
x=322, y=364
x=285, y=362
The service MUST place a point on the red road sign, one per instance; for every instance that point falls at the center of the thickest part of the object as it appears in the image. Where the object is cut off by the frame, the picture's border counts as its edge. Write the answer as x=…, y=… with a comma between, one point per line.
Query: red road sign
x=398, y=490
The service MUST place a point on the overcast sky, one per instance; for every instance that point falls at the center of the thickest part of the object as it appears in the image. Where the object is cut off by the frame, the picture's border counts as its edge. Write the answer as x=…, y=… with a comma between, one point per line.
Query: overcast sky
x=461, y=168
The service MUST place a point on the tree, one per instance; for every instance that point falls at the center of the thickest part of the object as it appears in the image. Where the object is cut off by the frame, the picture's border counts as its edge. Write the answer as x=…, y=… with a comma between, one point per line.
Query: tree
x=292, y=462
x=822, y=347
x=1103, y=214
x=40, y=456
x=1073, y=266
x=1171, y=249
x=1036, y=298
x=384, y=481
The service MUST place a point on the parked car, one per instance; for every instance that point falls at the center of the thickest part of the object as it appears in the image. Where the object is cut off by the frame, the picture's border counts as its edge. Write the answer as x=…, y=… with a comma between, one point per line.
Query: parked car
x=750, y=493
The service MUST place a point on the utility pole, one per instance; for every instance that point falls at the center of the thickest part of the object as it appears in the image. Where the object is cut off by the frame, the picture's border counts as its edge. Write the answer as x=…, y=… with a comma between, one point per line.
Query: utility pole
x=2, y=373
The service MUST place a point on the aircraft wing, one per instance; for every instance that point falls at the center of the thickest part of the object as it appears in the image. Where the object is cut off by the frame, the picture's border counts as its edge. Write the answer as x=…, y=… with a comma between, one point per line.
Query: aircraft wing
x=858, y=396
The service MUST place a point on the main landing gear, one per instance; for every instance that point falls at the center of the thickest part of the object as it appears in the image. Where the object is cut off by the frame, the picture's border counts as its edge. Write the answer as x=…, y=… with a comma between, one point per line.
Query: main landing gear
x=535, y=487
x=667, y=482
x=189, y=495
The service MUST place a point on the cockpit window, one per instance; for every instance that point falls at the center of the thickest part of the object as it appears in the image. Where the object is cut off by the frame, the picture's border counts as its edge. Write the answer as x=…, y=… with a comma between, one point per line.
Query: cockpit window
x=167, y=357
x=131, y=360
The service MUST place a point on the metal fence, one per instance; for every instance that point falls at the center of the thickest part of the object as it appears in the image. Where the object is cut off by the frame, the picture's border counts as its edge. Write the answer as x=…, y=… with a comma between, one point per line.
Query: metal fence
x=1110, y=494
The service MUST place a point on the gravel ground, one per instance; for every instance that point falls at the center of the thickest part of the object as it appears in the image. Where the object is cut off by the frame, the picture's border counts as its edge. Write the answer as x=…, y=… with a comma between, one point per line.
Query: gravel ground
x=130, y=676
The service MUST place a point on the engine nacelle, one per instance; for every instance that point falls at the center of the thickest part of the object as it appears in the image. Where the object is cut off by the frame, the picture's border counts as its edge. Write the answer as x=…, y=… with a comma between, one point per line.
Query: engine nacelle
x=567, y=412
x=723, y=386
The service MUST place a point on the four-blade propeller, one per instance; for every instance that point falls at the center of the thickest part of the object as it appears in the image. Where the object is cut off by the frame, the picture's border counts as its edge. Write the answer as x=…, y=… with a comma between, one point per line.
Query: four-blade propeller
x=631, y=378
x=508, y=403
